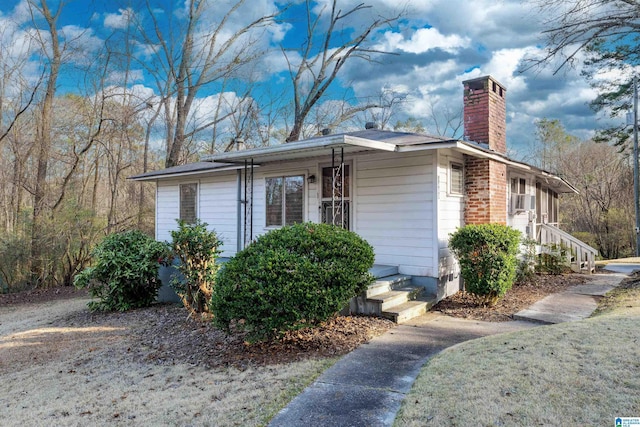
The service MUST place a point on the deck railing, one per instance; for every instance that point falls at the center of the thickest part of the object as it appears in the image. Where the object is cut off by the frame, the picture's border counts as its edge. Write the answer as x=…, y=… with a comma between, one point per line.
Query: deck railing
x=581, y=256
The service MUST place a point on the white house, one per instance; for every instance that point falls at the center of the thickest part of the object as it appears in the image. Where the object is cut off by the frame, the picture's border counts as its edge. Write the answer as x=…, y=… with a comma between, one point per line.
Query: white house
x=402, y=192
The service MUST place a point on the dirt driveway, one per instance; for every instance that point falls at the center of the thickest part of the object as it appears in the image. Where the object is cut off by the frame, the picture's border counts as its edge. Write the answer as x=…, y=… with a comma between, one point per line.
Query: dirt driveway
x=61, y=365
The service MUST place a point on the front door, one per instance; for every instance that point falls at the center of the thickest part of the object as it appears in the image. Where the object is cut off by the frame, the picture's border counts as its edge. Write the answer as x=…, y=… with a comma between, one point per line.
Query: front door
x=336, y=197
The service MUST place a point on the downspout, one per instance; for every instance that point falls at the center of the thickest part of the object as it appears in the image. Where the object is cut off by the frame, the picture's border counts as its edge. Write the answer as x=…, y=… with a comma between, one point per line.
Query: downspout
x=239, y=212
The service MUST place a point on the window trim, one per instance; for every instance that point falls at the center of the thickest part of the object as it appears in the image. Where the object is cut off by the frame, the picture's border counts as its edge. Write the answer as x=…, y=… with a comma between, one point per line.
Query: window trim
x=450, y=189
x=287, y=174
x=520, y=179
x=195, y=201
x=515, y=198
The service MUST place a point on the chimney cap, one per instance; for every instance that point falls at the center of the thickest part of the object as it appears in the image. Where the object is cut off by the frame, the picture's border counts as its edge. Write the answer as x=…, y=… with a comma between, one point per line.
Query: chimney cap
x=479, y=83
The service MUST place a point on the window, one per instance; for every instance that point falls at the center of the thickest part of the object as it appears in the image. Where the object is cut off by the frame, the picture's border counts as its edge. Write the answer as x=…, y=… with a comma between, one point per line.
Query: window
x=519, y=195
x=518, y=186
x=456, y=180
x=188, y=197
x=284, y=200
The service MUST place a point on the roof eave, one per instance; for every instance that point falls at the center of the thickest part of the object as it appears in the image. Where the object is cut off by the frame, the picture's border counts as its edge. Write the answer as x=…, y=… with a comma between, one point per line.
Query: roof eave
x=561, y=186
x=292, y=150
x=170, y=175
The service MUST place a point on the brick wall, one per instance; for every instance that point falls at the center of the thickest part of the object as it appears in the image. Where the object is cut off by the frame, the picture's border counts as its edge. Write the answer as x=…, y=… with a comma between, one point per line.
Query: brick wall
x=485, y=114
x=486, y=191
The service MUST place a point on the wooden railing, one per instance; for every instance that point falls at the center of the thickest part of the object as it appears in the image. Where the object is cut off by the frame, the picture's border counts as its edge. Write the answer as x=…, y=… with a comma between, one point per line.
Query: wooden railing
x=580, y=256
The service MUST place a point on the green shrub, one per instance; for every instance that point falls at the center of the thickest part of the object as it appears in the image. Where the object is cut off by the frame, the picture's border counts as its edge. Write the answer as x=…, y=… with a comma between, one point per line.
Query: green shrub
x=487, y=256
x=553, y=259
x=125, y=273
x=527, y=261
x=197, y=250
x=289, y=278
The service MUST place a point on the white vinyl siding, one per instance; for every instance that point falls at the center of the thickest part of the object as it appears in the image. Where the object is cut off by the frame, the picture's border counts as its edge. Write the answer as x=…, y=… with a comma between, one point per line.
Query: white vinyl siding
x=219, y=207
x=167, y=209
x=450, y=217
x=394, y=209
x=216, y=205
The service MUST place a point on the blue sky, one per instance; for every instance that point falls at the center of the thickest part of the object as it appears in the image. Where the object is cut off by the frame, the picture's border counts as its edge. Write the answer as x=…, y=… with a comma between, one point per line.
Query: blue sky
x=436, y=45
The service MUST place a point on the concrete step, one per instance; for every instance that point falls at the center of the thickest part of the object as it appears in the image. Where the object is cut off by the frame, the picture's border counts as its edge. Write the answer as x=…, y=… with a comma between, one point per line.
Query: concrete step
x=387, y=284
x=379, y=270
x=406, y=311
x=398, y=296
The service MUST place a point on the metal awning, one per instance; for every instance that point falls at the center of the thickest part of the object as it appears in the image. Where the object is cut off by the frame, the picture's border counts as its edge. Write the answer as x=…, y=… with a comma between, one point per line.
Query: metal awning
x=316, y=147
x=197, y=168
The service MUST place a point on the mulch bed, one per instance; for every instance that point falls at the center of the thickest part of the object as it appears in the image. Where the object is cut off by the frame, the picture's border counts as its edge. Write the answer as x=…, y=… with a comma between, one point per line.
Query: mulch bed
x=165, y=334
x=521, y=296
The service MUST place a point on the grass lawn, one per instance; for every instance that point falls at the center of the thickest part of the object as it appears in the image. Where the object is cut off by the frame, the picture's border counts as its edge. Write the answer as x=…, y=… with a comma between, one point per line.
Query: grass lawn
x=579, y=373
x=63, y=367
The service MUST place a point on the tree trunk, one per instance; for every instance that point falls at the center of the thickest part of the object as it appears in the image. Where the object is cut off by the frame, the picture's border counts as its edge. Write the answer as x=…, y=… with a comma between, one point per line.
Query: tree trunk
x=43, y=141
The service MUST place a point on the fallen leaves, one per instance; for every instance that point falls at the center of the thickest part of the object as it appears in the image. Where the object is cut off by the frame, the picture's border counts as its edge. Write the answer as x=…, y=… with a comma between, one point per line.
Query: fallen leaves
x=521, y=296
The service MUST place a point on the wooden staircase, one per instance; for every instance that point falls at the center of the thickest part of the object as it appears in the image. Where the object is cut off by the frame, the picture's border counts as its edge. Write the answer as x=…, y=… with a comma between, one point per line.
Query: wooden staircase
x=393, y=296
x=580, y=256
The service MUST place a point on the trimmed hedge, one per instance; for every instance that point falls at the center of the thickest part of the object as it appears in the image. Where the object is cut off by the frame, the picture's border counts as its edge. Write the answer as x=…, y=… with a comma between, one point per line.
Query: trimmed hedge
x=487, y=255
x=125, y=274
x=293, y=277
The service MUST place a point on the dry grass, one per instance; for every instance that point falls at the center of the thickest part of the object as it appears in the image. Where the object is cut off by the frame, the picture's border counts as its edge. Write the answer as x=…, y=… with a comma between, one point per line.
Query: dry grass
x=580, y=373
x=55, y=373
x=91, y=392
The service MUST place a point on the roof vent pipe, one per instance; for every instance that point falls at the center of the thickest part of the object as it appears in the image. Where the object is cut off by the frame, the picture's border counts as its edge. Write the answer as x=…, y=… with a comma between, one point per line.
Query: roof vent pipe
x=239, y=143
x=325, y=131
x=371, y=125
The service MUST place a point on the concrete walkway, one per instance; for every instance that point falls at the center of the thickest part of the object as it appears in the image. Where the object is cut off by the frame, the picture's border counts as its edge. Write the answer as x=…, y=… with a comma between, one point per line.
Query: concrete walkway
x=366, y=387
x=576, y=303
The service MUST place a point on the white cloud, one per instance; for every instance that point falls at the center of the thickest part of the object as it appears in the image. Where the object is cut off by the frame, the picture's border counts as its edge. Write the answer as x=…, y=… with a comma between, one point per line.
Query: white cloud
x=116, y=77
x=422, y=40
x=119, y=20
x=439, y=43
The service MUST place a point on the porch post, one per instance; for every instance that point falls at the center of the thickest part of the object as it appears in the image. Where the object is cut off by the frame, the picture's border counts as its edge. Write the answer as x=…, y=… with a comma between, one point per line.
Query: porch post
x=239, y=212
x=635, y=162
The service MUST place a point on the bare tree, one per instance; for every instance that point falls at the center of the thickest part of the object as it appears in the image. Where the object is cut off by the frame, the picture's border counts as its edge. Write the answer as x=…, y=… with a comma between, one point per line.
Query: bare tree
x=390, y=102
x=578, y=25
x=51, y=51
x=605, y=35
x=602, y=213
x=192, y=55
x=441, y=121
x=318, y=67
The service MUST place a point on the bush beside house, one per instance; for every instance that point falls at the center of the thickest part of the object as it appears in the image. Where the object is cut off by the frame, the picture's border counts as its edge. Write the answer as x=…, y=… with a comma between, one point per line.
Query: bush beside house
x=487, y=255
x=125, y=272
x=290, y=278
x=197, y=250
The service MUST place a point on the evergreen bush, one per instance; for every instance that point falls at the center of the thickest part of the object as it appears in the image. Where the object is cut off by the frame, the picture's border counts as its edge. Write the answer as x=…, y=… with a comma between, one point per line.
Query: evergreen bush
x=197, y=250
x=125, y=273
x=487, y=255
x=293, y=277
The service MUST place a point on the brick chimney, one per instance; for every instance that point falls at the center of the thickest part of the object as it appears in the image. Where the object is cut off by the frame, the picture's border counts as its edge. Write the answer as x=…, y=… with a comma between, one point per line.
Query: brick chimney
x=485, y=113
x=485, y=179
